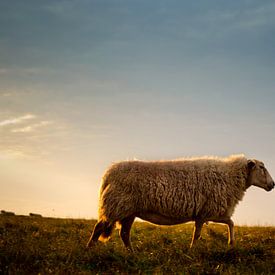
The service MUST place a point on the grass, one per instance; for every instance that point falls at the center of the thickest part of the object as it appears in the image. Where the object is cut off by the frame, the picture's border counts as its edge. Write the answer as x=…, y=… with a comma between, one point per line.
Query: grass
x=30, y=245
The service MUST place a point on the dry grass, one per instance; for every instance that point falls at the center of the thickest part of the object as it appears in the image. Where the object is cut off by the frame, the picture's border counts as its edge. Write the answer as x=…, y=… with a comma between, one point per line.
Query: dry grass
x=44, y=245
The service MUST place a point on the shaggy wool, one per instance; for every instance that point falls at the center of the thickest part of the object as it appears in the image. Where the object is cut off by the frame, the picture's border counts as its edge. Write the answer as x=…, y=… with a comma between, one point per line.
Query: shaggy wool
x=205, y=188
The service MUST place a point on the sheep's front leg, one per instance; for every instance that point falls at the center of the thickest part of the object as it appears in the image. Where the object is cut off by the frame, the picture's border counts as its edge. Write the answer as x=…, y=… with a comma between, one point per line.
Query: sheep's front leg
x=197, y=232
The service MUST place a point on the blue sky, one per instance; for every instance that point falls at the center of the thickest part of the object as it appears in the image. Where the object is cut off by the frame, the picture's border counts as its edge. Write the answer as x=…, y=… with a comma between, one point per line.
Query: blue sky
x=86, y=83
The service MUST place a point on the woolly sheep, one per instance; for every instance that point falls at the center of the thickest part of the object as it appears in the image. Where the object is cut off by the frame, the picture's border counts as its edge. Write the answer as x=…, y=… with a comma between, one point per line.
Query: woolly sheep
x=177, y=191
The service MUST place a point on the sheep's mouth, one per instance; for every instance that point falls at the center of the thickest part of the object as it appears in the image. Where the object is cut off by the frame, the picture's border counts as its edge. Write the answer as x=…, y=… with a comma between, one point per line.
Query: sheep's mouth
x=269, y=188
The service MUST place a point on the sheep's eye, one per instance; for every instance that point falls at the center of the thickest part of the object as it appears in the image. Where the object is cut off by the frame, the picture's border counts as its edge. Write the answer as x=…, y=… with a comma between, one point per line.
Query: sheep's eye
x=261, y=166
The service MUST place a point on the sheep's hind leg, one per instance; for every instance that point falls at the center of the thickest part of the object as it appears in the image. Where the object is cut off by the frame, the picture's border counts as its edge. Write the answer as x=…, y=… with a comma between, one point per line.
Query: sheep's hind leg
x=124, y=233
x=230, y=224
x=98, y=230
x=231, y=238
x=197, y=232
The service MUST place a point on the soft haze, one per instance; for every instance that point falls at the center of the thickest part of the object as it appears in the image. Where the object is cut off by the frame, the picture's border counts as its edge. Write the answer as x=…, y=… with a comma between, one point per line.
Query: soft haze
x=87, y=83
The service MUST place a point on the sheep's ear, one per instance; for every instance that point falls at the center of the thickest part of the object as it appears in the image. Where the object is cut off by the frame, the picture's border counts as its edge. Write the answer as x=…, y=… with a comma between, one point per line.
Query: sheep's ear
x=251, y=163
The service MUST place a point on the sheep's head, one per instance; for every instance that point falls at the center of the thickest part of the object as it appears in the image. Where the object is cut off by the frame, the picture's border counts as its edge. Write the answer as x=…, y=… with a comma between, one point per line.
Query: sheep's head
x=259, y=176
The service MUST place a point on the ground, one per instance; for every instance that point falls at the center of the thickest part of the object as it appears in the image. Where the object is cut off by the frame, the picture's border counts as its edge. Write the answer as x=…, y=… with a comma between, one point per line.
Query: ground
x=33, y=245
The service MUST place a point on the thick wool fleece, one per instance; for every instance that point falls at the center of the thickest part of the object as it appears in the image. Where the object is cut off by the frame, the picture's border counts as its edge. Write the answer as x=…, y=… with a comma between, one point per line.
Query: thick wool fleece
x=206, y=188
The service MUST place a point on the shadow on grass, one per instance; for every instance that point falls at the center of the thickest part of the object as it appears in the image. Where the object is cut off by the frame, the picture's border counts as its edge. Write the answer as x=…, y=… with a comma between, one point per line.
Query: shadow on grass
x=234, y=256
x=216, y=236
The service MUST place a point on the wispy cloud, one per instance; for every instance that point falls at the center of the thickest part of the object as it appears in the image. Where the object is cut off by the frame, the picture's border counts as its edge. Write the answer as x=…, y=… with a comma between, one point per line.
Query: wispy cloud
x=16, y=120
x=32, y=127
x=31, y=137
x=3, y=71
x=6, y=94
x=246, y=19
x=12, y=153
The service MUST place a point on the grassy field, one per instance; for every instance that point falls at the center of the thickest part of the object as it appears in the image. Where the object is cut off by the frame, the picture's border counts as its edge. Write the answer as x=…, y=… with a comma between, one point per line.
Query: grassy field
x=30, y=245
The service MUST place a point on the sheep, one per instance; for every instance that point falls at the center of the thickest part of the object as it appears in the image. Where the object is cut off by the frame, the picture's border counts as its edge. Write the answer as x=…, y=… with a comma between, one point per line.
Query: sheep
x=35, y=215
x=7, y=213
x=177, y=191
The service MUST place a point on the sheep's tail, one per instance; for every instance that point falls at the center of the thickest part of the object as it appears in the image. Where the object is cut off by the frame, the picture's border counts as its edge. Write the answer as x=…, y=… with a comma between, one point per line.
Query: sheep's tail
x=107, y=231
x=105, y=225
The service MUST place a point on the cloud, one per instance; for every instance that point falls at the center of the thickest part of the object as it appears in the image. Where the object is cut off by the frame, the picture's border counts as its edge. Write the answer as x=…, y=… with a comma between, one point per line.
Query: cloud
x=7, y=94
x=30, y=137
x=246, y=19
x=16, y=120
x=11, y=153
x=3, y=71
x=32, y=127
x=26, y=70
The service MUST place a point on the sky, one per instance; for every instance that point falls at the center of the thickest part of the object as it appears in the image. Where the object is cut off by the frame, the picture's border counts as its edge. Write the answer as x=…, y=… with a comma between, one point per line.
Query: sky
x=84, y=84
